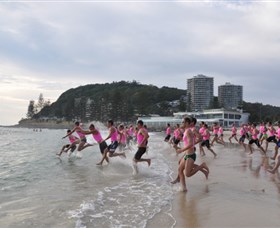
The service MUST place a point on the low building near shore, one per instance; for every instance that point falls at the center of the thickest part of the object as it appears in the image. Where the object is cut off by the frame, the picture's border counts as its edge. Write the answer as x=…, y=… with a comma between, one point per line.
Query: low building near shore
x=222, y=116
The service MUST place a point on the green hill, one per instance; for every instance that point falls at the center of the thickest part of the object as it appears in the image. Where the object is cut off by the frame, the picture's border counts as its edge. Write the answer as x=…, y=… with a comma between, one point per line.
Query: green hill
x=121, y=101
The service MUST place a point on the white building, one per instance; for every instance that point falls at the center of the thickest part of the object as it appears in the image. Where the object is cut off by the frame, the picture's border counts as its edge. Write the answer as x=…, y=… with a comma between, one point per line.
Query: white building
x=224, y=117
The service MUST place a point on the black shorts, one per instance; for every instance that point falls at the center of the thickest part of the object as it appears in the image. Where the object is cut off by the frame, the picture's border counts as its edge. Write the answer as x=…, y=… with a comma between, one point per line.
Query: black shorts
x=139, y=153
x=256, y=141
x=271, y=138
x=242, y=138
x=113, y=146
x=102, y=147
x=176, y=141
x=167, y=137
x=73, y=147
x=206, y=143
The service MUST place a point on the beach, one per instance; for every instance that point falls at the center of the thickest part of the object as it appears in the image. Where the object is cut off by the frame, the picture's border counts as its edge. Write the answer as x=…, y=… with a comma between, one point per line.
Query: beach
x=239, y=191
x=40, y=190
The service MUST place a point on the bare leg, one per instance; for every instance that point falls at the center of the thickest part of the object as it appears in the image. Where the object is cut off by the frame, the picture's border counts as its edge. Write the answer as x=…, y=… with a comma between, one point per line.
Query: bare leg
x=276, y=166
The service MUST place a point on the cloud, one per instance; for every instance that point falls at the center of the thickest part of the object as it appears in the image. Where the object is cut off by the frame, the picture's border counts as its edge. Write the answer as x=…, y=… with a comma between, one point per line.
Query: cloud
x=54, y=46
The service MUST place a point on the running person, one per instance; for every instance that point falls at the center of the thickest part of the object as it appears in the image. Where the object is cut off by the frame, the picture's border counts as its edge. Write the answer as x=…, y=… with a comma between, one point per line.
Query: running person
x=142, y=141
x=271, y=135
x=72, y=146
x=206, y=141
x=233, y=133
x=113, y=134
x=254, y=139
x=187, y=163
x=98, y=138
x=83, y=140
x=242, y=136
x=168, y=133
x=215, y=129
x=278, y=142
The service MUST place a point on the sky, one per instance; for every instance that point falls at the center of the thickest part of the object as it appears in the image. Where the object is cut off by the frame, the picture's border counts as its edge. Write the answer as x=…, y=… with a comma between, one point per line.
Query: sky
x=49, y=47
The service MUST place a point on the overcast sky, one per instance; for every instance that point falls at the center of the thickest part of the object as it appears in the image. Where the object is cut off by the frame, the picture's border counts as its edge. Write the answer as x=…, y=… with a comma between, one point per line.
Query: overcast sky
x=49, y=47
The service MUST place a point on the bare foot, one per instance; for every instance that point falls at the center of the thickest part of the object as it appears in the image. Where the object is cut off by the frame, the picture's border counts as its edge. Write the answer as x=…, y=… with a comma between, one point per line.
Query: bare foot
x=99, y=163
x=177, y=180
x=184, y=189
x=273, y=158
x=203, y=165
x=206, y=173
x=270, y=171
x=149, y=162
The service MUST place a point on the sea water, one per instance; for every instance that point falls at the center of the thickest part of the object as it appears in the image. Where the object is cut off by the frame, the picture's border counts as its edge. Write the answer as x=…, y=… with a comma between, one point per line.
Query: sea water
x=38, y=189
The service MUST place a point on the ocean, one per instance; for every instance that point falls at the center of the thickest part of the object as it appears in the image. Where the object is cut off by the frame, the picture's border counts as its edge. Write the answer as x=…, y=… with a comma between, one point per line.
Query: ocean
x=38, y=189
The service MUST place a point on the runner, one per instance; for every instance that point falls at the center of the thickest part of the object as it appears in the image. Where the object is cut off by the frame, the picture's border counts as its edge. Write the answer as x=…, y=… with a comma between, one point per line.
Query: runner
x=205, y=140
x=72, y=146
x=255, y=132
x=98, y=138
x=113, y=134
x=187, y=163
x=142, y=140
x=233, y=133
x=77, y=128
x=278, y=142
x=168, y=133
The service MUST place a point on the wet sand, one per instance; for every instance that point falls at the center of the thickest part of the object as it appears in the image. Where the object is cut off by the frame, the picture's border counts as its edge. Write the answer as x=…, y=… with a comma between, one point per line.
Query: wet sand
x=239, y=191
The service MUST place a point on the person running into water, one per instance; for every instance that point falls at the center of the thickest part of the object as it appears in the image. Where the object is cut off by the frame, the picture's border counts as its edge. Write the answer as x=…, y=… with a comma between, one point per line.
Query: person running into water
x=233, y=133
x=242, y=136
x=254, y=139
x=201, y=130
x=278, y=142
x=83, y=140
x=187, y=163
x=122, y=137
x=271, y=135
x=205, y=141
x=276, y=156
x=142, y=141
x=177, y=136
x=72, y=146
x=168, y=133
x=113, y=134
x=215, y=129
x=221, y=135
x=98, y=138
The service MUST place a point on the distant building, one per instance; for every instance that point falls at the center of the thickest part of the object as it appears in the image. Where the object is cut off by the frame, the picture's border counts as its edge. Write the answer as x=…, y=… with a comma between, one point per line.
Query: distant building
x=200, y=92
x=230, y=96
x=224, y=117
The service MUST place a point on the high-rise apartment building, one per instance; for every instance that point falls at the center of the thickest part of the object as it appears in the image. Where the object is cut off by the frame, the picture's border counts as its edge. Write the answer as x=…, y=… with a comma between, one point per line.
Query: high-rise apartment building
x=200, y=92
x=230, y=96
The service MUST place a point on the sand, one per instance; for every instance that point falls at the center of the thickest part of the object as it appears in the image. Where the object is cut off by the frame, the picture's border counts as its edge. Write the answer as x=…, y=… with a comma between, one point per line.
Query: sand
x=239, y=191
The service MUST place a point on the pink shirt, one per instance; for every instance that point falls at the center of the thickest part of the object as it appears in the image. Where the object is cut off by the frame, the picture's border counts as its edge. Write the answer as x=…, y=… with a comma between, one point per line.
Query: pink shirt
x=97, y=137
x=168, y=131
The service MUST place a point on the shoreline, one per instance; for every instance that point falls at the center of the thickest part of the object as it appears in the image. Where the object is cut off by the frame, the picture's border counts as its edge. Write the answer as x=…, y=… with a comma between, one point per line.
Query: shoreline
x=238, y=185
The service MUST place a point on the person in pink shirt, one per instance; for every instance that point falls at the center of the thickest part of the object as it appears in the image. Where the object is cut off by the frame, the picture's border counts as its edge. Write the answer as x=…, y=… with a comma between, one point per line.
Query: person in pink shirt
x=205, y=140
x=142, y=141
x=177, y=136
x=277, y=135
x=113, y=135
x=201, y=131
x=254, y=139
x=271, y=135
x=83, y=140
x=242, y=136
x=277, y=157
x=233, y=133
x=98, y=138
x=221, y=134
x=215, y=129
x=122, y=136
x=72, y=146
x=168, y=133
x=187, y=164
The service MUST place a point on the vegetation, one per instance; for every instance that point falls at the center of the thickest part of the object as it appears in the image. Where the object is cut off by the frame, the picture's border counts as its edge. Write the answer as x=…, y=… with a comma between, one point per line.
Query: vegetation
x=125, y=101
x=121, y=101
